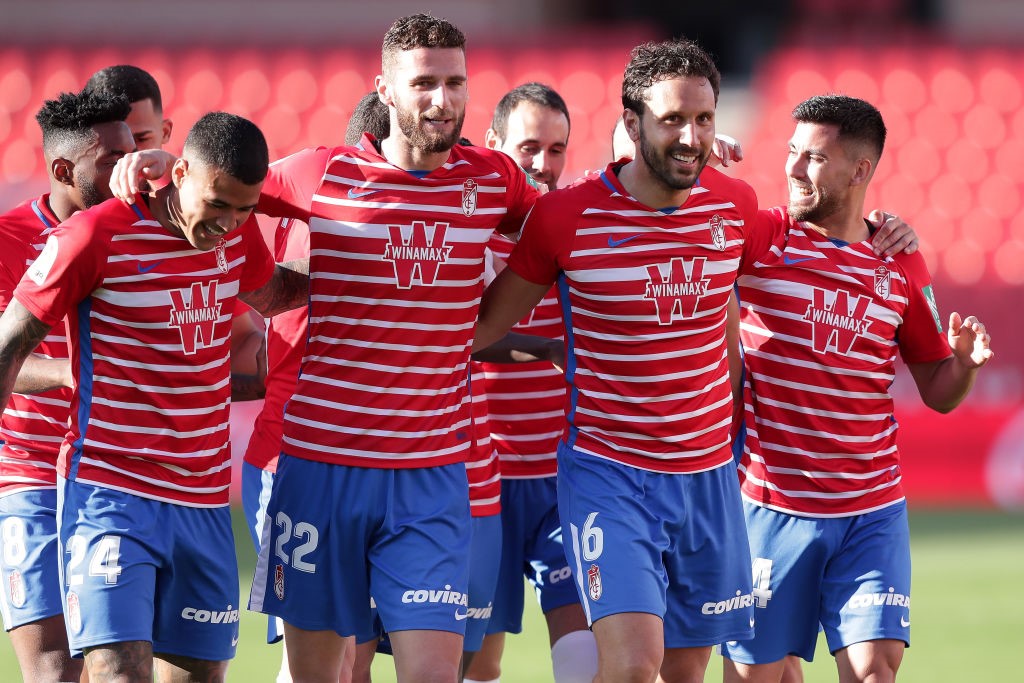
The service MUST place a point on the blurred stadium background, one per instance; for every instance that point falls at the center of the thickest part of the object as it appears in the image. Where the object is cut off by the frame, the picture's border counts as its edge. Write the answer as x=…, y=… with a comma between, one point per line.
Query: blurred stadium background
x=948, y=76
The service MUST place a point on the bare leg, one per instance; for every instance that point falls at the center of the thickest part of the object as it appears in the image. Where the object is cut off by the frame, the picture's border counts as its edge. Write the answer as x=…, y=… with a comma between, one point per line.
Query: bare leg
x=486, y=665
x=873, y=661
x=630, y=647
x=128, y=662
x=685, y=664
x=43, y=653
x=177, y=669
x=734, y=672
x=314, y=656
x=423, y=656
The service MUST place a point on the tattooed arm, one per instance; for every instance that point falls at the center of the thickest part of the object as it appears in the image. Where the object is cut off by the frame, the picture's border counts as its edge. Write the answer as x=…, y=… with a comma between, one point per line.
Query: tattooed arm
x=40, y=374
x=20, y=334
x=287, y=288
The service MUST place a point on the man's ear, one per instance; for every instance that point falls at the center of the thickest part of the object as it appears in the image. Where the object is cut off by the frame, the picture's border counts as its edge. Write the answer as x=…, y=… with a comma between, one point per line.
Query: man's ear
x=862, y=172
x=631, y=120
x=178, y=172
x=491, y=140
x=166, y=126
x=63, y=170
x=383, y=91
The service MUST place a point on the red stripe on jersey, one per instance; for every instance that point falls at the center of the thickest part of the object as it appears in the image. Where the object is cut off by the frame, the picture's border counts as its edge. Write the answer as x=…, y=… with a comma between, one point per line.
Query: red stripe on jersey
x=482, y=466
x=33, y=426
x=286, y=342
x=820, y=326
x=150, y=320
x=396, y=273
x=526, y=401
x=644, y=293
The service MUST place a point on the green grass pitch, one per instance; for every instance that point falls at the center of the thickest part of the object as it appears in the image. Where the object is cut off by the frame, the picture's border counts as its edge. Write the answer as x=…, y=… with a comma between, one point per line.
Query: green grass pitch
x=967, y=611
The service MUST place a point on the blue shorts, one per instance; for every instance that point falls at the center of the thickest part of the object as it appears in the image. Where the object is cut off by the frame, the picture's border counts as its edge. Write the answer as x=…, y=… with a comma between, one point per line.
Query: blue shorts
x=672, y=545
x=531, y=546
x=141, y=569
x=335, y=536
x=29, y=558
x=850, y=574
x=484, y=560
x=256, y=486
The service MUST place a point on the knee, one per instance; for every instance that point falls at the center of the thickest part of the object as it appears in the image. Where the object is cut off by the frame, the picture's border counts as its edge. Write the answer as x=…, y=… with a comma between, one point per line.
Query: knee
x=638, y=666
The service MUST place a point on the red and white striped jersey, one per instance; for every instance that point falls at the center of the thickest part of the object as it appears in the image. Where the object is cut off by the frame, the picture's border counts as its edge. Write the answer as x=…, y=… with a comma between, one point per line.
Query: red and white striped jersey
x=482, y=465
x=396, y=273
x=286, y=342
x=526, y=401
x=149, y=319
x=644, y=294
x=821, y=322
x=33, y=426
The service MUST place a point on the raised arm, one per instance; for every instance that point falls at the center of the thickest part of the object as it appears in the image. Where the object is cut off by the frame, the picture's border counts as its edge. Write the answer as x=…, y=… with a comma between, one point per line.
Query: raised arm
x=287, y=288
x=20, y=334
x=506, y=301
x=945, y=383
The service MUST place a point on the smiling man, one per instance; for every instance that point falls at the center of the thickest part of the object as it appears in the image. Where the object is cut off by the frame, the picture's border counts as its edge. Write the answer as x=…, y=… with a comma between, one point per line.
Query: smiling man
x=645, y=258
x=149, y=566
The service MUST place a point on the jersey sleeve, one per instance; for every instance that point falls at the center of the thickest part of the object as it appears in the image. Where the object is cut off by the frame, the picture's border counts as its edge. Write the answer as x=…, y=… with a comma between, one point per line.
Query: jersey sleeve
x=546, y=240
x=521, y=195
x=922, y=338
x=288, y=190
x=12, y=267
x=259, y=264
x=69, y=269
x=762, y=231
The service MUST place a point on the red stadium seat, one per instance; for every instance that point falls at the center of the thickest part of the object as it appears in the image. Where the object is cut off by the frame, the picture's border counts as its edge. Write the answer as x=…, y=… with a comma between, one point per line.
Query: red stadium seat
x=918, y=159
x=20, y=161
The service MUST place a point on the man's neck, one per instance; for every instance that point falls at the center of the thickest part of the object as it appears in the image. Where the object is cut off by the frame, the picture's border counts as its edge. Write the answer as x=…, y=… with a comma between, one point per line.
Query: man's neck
x=847, y=226
x=638, y=180
x=398, y=152
x=60, y=204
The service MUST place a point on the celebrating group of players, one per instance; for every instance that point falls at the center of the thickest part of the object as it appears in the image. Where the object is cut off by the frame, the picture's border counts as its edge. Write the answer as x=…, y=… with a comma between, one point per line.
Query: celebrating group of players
x=397, y=490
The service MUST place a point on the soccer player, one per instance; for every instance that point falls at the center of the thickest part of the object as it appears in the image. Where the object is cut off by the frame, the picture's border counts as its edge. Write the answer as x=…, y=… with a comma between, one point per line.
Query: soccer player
x=149, y=127
x=286, y=342
x=526, y=406
x=380, y=419
x=822, y=319
x=149, y=564
x=84, y=135
x=645, y=258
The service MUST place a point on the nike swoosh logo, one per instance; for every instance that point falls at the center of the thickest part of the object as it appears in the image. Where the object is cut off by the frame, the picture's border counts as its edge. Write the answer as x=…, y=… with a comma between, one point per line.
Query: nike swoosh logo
x=612, y=242
x=751, y=623
x=352, y=194
x=793, y=261
x=460, y=617
x=904, y=622
x=234, y=641
x=151, y=266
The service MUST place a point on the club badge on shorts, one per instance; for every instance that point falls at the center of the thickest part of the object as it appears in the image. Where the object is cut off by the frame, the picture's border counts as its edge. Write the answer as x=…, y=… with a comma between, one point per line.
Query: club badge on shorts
x=17, y=586
x=469, y=191
x=74, y=615
x=594, y=588
x=279, y=582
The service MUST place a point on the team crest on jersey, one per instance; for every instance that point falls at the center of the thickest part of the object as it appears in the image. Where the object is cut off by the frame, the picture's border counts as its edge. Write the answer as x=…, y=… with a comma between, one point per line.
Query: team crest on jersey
x=195, y=313
x=17, y=586
x=882, y=282
x=836, y=322
x=718, y=232
x=676, y=289
x=417, y=254
x=222, y=255
x=74, y=615
x=469, y=192
x=279, y=582
x=594, y=587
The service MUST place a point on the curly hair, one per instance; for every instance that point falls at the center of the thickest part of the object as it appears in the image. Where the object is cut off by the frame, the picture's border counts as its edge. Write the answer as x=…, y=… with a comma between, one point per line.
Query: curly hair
x=418, y=30
x=650, y=63
x=68, y=119
x=858, y=121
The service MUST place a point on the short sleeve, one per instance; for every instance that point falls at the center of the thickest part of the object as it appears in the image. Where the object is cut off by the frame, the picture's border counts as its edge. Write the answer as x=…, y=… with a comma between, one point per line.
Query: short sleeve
x=546, y=240
x=291, y=182
x=259, y=264
x=922, y=338
x=521, y=194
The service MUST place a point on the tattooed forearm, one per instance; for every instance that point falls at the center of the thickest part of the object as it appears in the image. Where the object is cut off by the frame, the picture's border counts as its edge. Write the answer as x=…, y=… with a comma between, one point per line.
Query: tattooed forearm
x=128, y=661
x=20, y=334
x=40, y=374
x=288, y=288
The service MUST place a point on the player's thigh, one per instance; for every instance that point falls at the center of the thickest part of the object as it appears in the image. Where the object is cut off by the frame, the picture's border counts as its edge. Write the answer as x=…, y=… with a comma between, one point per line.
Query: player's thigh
x=866, y=591
x=789, y=558
x=29, y=558
x=708, y=560
x=419, y=555
x=874, y=660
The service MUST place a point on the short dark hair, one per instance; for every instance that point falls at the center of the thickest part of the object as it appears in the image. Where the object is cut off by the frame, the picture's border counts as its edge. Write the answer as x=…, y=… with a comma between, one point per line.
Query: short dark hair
x=419, y=30
x=538, y=93
x=370, y=116
x=68, y=119
x=125, y=79
x=858, y=121
x=230, y=143
x=650, y=63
